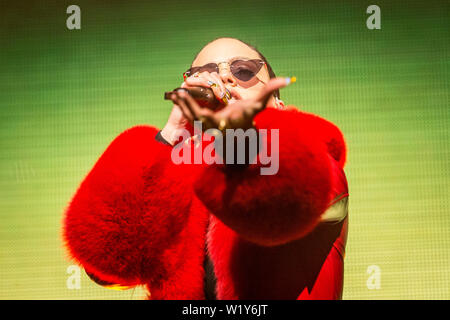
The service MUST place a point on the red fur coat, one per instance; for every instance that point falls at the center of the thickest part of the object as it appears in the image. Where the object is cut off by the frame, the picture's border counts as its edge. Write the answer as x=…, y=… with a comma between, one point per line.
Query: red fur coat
x=139, y=219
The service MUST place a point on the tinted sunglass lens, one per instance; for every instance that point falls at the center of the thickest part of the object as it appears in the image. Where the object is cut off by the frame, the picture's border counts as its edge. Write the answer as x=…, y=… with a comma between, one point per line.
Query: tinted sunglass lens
x=245, y=70
x=210, y=67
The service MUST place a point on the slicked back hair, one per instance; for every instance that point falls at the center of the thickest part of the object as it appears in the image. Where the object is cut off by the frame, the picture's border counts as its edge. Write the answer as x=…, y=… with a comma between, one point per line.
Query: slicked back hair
x=263, y=58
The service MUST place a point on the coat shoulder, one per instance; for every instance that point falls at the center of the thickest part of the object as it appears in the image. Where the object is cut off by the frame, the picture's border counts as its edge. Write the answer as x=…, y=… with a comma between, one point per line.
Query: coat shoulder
x=327, y=131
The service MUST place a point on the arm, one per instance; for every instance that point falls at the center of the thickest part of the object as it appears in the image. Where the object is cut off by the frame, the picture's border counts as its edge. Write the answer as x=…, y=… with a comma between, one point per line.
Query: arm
x=275, y=209
x=124, y=214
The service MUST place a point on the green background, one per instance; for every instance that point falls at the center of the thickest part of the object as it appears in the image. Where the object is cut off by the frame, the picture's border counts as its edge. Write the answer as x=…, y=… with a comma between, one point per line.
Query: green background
x=66, y=94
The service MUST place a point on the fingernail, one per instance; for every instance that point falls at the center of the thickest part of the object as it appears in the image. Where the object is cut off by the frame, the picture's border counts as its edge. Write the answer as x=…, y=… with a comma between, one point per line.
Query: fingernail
x=210, y=83
x=290, y=80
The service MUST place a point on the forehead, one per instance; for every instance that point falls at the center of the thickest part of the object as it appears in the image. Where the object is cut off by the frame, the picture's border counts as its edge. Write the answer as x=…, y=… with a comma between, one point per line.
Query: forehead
x=224, y=50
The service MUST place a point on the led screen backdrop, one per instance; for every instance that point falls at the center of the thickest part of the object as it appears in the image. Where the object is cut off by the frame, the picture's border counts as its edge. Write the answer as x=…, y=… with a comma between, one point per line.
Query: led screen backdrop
x=65, y=94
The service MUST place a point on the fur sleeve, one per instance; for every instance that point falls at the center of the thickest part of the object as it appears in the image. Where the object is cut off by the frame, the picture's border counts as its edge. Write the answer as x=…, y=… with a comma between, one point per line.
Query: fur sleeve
x=125, y=212
x=275, y=209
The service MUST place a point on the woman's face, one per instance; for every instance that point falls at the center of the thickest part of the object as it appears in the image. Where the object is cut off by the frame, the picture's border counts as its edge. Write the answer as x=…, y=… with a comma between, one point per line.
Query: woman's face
x=226, y=50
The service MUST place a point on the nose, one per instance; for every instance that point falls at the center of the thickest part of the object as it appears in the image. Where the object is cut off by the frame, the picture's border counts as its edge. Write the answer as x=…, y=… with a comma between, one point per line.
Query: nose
x=226, y=75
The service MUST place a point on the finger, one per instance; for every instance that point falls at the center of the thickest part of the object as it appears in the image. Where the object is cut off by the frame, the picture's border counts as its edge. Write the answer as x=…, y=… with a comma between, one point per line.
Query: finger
x=182, y=105
x=186, y=112
x=206, y=80
x=193, y=106
x=214, y=85
x=193, y=110
x=223, y=90
x=197, y=81
x=271, y=86
x=205, y=115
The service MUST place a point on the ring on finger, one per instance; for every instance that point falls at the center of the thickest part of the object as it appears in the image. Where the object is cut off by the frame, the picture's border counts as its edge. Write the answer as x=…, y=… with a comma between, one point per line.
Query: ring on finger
x=225, y=99
x=228, y=94
x=212, y=84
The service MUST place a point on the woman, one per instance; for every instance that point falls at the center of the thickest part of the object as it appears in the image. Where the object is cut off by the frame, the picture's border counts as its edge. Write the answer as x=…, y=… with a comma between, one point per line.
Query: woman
x=218, y=231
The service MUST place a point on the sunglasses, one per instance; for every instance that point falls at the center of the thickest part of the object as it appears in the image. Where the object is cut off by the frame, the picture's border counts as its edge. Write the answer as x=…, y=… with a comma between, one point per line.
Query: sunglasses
x=244, y=70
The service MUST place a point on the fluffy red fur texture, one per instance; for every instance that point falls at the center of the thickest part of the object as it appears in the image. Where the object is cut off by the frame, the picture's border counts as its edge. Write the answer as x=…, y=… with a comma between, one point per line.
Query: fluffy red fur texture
x=139, y=219
x=127, y=221
x=274, y=209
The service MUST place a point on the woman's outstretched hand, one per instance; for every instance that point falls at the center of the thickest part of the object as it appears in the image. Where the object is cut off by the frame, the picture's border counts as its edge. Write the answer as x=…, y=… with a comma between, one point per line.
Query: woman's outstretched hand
x=238, y=114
